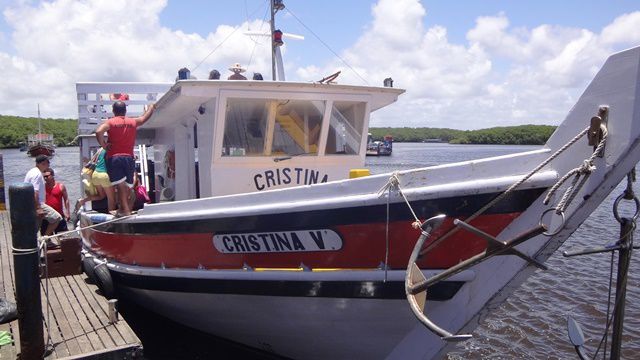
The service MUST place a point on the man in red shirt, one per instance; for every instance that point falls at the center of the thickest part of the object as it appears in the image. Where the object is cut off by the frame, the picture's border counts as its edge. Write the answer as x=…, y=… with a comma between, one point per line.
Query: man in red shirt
x=57, y=198
x=121, y=131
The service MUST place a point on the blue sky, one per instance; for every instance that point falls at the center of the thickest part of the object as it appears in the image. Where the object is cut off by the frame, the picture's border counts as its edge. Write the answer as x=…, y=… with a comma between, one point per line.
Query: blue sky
x=464, y=64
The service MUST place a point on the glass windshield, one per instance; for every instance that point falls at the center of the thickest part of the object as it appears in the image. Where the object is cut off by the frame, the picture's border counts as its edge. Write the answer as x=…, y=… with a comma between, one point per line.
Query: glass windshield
x=297, y=127
x=345, y=128
x=285, y=127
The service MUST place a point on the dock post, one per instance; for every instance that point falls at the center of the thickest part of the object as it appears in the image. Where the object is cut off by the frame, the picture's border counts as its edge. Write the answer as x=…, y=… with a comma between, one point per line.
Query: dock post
x=26, y=260
x=2, y=201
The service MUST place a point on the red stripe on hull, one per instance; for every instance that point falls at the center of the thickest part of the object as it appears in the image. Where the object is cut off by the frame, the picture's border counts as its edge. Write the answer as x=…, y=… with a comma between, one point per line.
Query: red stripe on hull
x=363, y=247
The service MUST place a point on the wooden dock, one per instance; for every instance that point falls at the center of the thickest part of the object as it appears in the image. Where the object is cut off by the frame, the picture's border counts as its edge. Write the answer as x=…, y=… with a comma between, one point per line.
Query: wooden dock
x=75, y=315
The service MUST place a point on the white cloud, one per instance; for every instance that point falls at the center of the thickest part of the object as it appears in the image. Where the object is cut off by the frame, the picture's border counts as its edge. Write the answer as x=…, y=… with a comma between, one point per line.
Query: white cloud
x=62, y=42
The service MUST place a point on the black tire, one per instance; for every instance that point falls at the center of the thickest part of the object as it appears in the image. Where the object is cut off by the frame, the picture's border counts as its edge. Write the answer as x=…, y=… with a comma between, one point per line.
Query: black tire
x=104, y=281
x=87, y=267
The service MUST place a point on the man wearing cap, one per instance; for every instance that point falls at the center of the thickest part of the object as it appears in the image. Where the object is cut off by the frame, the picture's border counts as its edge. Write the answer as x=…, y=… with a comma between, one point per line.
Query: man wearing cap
x=44, y=211
x=236, y=69
x=121, y=133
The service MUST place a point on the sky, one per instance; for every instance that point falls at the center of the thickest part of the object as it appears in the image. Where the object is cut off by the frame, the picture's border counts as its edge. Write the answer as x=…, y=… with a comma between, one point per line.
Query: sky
x=465, y=64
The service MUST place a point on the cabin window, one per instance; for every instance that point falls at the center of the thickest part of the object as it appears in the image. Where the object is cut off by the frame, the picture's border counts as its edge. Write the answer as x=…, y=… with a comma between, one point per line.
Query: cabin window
x=266, y=127
x=245, y=127
x=297, y=127
x=345, y=128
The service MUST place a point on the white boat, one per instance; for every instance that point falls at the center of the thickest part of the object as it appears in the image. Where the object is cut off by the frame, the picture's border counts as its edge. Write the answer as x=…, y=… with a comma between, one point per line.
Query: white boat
x=257, y=234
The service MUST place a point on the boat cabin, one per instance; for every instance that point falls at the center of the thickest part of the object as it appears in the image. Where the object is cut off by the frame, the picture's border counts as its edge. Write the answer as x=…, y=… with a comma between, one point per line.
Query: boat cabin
x=221, y=137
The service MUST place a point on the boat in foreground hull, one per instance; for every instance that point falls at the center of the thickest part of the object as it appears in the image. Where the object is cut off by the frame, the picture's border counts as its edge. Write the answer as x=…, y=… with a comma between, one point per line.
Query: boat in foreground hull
x=317, y=271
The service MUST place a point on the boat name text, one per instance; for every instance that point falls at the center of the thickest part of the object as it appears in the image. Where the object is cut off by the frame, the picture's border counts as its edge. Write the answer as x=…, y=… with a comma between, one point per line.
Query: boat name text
x=276, y=242
x=286, y=176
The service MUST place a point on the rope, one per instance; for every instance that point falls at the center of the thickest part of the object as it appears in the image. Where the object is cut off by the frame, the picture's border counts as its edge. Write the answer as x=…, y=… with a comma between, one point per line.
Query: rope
x=386, y=235
x=87, y=227
x=509, y=190
x=581, y=174
x=394, y=182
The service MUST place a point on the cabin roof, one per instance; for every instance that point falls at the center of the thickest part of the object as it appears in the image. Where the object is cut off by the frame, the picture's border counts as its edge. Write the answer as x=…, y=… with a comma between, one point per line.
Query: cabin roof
x=190, y=94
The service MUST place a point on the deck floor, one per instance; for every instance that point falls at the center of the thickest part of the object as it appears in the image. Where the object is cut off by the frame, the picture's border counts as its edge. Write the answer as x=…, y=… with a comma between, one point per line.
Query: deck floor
x=76, y=312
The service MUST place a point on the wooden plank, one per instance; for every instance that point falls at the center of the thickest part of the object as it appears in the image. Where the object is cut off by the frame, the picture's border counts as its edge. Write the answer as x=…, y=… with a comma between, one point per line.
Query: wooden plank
x=71, y=329
x=99, y=305
x=91, y=305
x=8, y=287
x=59, y=325
x=122, y=326
x=101, y=309
x=89, y=317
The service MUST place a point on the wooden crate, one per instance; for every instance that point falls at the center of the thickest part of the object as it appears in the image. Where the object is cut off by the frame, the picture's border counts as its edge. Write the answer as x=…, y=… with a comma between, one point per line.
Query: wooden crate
x=64, y=260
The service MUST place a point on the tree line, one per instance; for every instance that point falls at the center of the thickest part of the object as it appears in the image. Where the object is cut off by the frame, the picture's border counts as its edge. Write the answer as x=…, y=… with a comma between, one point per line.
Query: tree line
x=507, y=135
x=14, y=130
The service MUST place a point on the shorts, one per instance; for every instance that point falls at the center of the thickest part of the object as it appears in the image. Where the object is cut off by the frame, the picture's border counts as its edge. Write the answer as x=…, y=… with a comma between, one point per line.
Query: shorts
x=120, y=169
x=50, y=215
x=100, y=179
x=62, y=227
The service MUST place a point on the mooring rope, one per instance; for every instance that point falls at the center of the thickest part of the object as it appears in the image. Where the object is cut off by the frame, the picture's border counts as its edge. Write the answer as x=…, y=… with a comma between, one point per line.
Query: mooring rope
x=580, y=174
x=509, y=190
x=45, y=238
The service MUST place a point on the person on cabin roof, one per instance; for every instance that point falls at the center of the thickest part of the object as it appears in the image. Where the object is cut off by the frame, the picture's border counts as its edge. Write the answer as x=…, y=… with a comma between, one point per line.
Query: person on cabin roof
x=237, y=70
x=121, y=132
x=257, y=76
x=44, y=211
x=57, y=198
x=214, y=75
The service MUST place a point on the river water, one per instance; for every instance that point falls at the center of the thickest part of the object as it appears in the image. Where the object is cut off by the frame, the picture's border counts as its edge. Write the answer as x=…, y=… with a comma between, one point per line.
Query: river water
x=531, y=323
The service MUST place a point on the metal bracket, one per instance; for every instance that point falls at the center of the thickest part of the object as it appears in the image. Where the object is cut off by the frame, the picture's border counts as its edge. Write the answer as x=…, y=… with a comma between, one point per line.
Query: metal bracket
x=595, y=134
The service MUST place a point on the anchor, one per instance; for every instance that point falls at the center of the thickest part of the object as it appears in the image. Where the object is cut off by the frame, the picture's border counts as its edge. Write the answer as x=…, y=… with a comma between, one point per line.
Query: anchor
x=416, y=284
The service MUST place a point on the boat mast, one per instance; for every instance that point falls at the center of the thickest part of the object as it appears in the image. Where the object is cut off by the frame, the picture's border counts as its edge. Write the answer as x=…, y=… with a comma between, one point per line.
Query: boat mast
x=39, y=121
x=276, y=5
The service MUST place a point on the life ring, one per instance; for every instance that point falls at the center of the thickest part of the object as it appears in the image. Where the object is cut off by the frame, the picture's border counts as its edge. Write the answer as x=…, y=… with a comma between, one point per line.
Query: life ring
x=104, y=281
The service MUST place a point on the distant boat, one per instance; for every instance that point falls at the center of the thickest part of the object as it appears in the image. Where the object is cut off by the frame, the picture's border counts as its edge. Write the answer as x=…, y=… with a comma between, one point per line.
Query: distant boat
x=380, y=148
x=40, y=144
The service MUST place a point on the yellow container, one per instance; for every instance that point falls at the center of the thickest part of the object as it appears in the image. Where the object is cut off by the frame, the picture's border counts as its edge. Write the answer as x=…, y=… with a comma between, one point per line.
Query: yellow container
x=356, y=173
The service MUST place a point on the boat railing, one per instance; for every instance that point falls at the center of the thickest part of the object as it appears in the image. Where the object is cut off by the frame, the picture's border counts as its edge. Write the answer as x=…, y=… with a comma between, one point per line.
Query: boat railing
x=94, y=102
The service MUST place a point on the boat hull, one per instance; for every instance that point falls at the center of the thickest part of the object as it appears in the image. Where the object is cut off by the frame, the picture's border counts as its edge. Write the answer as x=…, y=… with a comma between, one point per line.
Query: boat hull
x=306, y=315
x=41, y=150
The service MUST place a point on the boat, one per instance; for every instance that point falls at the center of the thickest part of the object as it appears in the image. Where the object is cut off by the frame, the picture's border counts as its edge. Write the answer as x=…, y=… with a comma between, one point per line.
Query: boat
x=263, y=230
x=40, y=143
x=22, y=146
x=380, y=148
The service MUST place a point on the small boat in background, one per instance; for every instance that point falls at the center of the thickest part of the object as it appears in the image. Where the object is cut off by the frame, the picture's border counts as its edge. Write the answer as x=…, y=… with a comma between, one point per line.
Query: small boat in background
x=40, y=144
x=380, y=148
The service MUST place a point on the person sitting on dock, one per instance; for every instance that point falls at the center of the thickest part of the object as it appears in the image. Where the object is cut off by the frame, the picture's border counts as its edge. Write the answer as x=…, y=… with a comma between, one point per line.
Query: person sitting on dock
x=57, y=198
x=121, y=131
x=237, y=70
x=44, y=211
